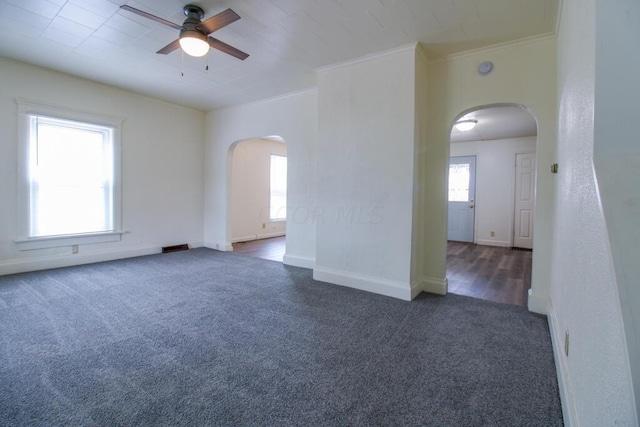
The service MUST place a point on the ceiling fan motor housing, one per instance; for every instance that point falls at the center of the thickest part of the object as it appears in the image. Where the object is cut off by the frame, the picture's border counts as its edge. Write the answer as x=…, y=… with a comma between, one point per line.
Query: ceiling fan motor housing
x=194, y=16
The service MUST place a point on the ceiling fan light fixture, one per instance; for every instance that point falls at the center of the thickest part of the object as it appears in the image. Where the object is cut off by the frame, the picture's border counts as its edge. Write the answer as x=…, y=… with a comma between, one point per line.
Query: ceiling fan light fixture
x=194, y=43
x=466, y=125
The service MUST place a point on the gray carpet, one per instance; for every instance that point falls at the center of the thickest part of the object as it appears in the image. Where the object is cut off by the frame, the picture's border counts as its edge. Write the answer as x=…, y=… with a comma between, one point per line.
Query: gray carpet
x=209, y=338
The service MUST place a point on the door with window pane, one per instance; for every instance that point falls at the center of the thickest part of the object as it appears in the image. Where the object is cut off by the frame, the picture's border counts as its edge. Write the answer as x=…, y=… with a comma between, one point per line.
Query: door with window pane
x=462, y=184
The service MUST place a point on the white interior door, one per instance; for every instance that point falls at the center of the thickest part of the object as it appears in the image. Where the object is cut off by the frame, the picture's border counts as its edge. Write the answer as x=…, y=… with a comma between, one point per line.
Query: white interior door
x=462, y=185
x=524, y=200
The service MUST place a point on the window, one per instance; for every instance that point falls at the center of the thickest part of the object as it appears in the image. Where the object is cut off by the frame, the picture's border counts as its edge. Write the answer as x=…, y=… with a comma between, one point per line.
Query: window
x=278, y=188
x=459, y=182
x=70, y=175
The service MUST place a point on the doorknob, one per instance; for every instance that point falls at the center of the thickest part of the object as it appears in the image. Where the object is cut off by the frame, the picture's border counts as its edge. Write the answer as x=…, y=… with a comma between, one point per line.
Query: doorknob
x=471, y=206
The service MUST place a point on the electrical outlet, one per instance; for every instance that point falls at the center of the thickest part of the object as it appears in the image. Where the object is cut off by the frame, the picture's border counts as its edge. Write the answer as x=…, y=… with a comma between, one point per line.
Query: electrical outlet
x=566, y=343
x=74, y=249
x=493, y=234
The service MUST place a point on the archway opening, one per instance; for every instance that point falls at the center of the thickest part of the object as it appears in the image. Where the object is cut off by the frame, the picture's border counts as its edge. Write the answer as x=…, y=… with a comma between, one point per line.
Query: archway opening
x=491, y=203
x=257, y=197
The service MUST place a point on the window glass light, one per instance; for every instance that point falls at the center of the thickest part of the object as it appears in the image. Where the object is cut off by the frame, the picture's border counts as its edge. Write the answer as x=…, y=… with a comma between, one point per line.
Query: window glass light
x=194, y=43
x=71, y=177
x=278, y=188
x=466, y=125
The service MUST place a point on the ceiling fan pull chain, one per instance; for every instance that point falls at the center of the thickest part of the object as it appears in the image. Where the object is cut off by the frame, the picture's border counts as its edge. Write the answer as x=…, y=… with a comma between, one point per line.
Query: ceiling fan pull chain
x=207, y=67
x=182, y=63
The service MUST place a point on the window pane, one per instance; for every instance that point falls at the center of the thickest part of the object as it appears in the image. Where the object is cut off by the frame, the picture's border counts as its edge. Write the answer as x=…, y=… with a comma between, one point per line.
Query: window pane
x=278, y=184
x=459, y=182
x=71, y=178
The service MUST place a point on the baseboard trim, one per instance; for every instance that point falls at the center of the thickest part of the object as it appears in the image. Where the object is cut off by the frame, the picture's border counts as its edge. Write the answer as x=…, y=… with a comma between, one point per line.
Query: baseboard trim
x=47, y=262
x=385, y=287
x=494, y=243
x=299, y=261
x=569, y=412
x=416, y=289
x=24, y=265
x=253, y=237
x=538, y=303
x=272, y=235
x=244, y=239
x=435, y=285
x=218, y=246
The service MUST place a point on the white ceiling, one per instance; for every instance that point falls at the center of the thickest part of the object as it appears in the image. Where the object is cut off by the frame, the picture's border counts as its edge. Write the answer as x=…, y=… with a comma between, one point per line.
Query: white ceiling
x=497, y=122
x=287, y=40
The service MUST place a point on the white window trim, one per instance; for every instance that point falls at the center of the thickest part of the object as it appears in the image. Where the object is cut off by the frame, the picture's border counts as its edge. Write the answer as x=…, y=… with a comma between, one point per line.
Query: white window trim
x=28, y=107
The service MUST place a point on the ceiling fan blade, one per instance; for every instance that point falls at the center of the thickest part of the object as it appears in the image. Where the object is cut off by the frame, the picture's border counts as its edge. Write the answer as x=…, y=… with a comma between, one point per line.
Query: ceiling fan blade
x=152, y=17
x=218, y=21
x=223, y=47
x=170, y=47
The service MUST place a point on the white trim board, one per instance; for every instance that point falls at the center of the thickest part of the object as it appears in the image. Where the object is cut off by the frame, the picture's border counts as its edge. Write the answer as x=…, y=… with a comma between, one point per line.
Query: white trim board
x=298, y=261
x=390, y=288
x=27, y=264
x=434, y=285
x=219, y=246
x=253, y=237
x=498, y=243
x=569, y=413
x=538, y=303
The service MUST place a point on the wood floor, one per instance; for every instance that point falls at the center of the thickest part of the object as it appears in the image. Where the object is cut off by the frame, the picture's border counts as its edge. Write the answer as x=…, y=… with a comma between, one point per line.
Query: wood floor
x=485, y=272
x=489, y=272
x=272, y=249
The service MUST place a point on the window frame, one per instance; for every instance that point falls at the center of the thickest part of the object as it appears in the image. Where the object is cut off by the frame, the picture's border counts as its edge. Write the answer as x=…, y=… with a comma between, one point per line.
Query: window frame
x=27, y=109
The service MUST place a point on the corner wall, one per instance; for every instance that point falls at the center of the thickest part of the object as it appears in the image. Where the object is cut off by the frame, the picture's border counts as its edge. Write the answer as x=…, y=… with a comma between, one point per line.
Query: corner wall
x=365, y=173
x=292, y=117
x=162, y=167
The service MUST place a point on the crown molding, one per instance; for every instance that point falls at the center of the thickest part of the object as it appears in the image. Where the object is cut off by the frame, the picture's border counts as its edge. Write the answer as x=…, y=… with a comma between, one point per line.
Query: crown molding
x=266, y=100
x=495, y=47
x=370, y=57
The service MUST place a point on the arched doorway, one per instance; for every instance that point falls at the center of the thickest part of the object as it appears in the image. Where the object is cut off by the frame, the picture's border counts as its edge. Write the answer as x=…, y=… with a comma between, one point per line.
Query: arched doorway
x=257, y=192
x=491, y=200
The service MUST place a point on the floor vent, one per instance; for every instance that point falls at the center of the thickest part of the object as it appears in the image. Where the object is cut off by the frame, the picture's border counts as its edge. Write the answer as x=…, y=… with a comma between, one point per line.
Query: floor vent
x=174, y=248
x=521, y=249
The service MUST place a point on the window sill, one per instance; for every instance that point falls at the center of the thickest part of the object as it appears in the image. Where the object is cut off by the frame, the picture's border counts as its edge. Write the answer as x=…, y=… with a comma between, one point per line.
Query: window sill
x=32, y=243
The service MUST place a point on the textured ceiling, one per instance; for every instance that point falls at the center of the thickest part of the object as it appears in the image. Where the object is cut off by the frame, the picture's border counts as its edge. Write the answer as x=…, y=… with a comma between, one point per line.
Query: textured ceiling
x=287, y=40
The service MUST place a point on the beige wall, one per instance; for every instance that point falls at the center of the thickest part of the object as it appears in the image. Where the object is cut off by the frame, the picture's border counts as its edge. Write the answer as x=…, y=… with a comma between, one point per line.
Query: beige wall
x=162, y=167
x=525, y=74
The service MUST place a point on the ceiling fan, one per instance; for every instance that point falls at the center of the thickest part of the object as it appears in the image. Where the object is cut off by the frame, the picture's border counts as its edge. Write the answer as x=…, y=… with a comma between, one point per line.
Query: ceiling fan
x=195, y=38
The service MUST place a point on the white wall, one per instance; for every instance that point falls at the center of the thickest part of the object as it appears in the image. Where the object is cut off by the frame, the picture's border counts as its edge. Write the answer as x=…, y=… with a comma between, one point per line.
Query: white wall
x=524, y=74
x=364, y=183
x=162, y=167
x=617, y=156
x=294, y=119
x=495, y=185
x=250, y=190
x=595, y=378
